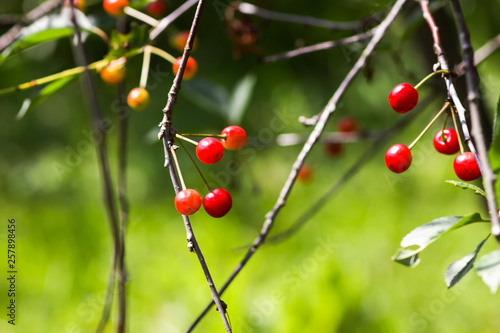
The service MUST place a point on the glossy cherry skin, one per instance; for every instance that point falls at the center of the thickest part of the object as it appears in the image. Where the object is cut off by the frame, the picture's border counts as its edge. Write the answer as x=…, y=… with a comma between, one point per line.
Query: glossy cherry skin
x=236, y=137
x=138, y=99
x=114, y=7
x=466, y=167
x=450, y=146
x=191, y=67
x=218, y=202
x=187, y=202
x=114, y=73
x=209, y=150
x=403, y=98
x=156, y=9
x=398, y=158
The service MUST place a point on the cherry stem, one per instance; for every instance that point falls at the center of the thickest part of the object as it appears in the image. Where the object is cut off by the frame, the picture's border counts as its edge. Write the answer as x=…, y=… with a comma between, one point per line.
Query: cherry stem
x=163, y=54
x=219, y=136
x=196, y=166
x=445, y=106
x=176, y=162
x=145, y=67
x=442, y=71
x=456, y=129
x=443, y=137
x=140, y=16
x=186, y=139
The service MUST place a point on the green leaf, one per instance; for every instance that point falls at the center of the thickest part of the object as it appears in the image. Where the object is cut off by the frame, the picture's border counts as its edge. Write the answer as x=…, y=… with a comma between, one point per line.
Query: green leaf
x=427, y=234
x=207, y=95
x=488, y=268
x=46, y=29
x=241, y=98
x=494, y=152
x=42, y=94
x=458, y=269
x=463, y=185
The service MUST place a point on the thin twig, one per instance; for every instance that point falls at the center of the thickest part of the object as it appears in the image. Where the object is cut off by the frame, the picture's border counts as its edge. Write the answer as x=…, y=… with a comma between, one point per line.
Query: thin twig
x=443, y=63
x=247, y=8
x=122, y=194
x=102, y=156
x=313, y=138
x=43, y=9
x=165, y=22
x=321, y=46
x=482, y=53
x=168, y=136
x=474, y=97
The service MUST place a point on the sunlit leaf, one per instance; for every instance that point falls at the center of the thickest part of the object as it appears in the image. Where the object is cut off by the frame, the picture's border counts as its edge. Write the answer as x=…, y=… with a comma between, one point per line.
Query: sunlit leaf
x=488, y=268
x=207, y=95
x=241, y=98
x=465, y=186
x=458, y=269
x=426, y=234
x=42, y=94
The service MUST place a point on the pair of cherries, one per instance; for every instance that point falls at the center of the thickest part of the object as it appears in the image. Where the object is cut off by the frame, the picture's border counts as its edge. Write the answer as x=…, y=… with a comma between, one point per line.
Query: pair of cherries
x=398, y=158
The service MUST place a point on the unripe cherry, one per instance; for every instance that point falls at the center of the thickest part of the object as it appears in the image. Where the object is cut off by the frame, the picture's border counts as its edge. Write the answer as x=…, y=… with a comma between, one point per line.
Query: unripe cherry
x=187, y=202
x=189, y=71
x=114, y=7
x=235, y=138
x=114, y=73
x=138, y=99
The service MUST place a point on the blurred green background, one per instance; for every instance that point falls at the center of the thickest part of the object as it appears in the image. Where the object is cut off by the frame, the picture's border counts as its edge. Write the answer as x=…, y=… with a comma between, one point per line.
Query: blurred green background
x=335, y=275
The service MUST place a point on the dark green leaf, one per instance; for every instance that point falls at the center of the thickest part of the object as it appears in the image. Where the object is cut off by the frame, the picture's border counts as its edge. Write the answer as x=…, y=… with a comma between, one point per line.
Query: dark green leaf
x=45, y=29
x=427, y=234
x=458, y=269
x=241, y=98
x=488, y=268
x=463, y=185
x=207, y=95
x=41, y=94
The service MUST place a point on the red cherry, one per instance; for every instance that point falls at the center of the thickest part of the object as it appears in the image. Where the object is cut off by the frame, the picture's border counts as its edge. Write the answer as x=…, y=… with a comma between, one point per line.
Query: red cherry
x=179, y=41
x=403, y=98
x=209, y=150
x=138, y=99
x=191, y=67
x=466, y=167
x=187, y=202
x=114, y=7
x=157, y=9
x=398, y=158
x=305, y=174
x=218, y=202
x=348, y=124
x=235, y=137
x=114, y=72
x=450, y=146
x=333, y=148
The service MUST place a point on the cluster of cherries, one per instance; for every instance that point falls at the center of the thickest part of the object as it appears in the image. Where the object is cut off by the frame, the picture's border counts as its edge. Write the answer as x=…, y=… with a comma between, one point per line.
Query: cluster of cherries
x=114, y=73
x=210, y=150
x=398, y=158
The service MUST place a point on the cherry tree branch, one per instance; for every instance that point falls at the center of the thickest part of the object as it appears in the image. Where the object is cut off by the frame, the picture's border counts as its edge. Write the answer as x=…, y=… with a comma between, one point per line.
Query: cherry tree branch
x=474, y=97
x=98, y=127
x=167, y=134
x=41, y=10
x=247, y=8
x=165, y=22
x=482, y=53
x=313, y=138
x=321, y=46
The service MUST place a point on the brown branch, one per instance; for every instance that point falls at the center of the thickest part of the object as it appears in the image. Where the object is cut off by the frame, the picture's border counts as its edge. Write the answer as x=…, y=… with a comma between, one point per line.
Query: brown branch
x=97, y=122
x=247, y=8
x=43, y=9
x=482, y=53
x=165, y=22
x=313, y=138
x=321, y=46
x=474, y=98
x=168, y=135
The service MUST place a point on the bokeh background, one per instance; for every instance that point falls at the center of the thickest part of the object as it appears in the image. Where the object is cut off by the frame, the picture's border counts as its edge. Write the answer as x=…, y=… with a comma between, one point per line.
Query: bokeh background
x=334, y=275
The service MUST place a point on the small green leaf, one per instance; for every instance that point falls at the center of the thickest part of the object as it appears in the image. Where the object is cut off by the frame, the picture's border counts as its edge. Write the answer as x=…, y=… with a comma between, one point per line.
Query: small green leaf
x=427, y=234
x=458, y=269
x=241, y=98
x=463, y=185
x=42, y=94
x=488, y=268
x=207, y=95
